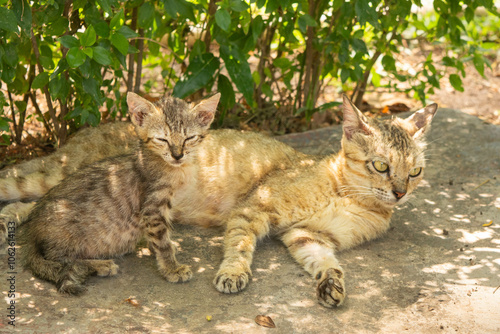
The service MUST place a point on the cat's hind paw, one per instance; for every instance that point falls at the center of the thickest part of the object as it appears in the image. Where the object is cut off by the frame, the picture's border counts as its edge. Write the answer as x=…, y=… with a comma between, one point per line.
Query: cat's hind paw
x=180, y=274
x=228, y=282
x=331, y=290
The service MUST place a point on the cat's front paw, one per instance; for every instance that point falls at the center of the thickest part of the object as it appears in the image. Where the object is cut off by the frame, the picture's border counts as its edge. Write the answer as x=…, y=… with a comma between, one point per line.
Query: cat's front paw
x=331, y=290
x=180, y=274
x=231, y=281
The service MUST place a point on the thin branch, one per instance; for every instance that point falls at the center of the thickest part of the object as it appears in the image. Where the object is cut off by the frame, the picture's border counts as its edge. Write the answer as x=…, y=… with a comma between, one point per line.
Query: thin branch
x=52, y=112
x=152, y=41
x=40, y=114
x=131, y=57
x=138, y=72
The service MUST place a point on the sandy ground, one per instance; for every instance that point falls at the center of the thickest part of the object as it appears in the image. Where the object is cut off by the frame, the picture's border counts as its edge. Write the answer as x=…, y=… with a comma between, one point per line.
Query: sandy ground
x=437, y=270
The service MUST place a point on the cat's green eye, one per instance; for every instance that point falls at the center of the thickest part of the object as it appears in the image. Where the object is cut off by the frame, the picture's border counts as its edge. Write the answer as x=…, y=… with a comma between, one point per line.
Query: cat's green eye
x=380, y=166
x=415, y=171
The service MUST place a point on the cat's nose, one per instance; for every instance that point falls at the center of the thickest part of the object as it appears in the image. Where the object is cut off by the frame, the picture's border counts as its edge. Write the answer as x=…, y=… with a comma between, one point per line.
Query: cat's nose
x=398, y=194
x=178, y=156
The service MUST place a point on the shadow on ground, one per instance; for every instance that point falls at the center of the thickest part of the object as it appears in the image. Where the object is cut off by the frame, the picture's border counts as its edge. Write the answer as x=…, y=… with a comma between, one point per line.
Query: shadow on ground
x=435, y=271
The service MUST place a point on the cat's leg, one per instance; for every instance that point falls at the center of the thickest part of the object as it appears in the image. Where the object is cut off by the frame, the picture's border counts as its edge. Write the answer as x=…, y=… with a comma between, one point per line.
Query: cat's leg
x=158, y=227
x=102, y=268
x=12, y=216
x=314, y=250
x=243, y=230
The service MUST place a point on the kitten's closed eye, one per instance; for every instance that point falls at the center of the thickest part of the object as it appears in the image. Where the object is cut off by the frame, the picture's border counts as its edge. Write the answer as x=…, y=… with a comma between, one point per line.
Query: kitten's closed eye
x=164, y=140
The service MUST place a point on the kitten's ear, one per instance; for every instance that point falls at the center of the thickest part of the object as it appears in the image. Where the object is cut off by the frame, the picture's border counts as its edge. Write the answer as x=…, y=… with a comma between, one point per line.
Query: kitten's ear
x=354, y=120
x=420, y=121
x=205, y=110
x=138, y=107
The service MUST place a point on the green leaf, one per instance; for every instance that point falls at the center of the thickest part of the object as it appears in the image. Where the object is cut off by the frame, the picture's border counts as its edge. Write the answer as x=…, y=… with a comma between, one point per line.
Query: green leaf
x=102, y=55
x=238, y=5
x=57, y=27
x=146, y=15
x=199, y=73
x=4, y=124
x=106, y=5
x=344, y=74
x=366, y=13
x=469, y=14
x=102, y=29
x=8, y=20
x=375, y=78
x=239, y=71
x=456, y=82
x=389, y=63
x=69, y=41
x=127, y=32
x=478, y=62
x=75, y=57
x=88, y=51
x=90, y=87
x=21, y=105
x=89, y=37
x=40, y=80
x=224, y=86
x=120, y=42
x=359, y=45
x=77, y=111
x=223, y=19
x=282, y=63
x=182, y=7
x=22, y=10
x=117, y=20
x=306, y=21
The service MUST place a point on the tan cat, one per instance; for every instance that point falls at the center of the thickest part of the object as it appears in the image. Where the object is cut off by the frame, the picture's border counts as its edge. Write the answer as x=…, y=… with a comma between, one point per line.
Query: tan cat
x=103, y=209
x=321, y=206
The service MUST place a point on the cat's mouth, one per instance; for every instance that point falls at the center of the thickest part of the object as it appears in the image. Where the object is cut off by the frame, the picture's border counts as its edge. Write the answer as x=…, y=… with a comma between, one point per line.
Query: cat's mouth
x=389, y=198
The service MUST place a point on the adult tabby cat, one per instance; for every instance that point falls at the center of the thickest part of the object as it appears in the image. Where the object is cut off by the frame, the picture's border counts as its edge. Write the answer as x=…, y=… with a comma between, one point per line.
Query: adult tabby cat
x=322, y=206
x=103, y=209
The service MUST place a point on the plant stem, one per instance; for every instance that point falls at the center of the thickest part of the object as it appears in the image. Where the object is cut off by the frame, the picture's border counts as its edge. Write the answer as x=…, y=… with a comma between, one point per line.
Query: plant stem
x=52, y=112
x=131, y=60
x=138, y=72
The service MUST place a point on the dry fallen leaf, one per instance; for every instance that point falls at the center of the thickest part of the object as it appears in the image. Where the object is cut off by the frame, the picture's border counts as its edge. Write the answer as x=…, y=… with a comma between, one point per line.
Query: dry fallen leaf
x=132, y=302
x=265, y=321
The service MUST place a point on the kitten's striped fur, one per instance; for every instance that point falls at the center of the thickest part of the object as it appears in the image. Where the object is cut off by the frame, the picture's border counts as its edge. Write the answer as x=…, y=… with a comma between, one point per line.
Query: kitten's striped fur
x=102, y=210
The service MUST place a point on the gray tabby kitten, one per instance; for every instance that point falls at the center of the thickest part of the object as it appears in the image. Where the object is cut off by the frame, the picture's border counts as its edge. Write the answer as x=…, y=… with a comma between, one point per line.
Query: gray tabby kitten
x=102, y=210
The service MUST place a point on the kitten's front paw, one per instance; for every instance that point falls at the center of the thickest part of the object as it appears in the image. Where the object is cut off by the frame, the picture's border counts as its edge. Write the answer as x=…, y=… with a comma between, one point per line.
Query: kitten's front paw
x=330, y=290
x=180, y=274
x=231, y=281
x=107, y=268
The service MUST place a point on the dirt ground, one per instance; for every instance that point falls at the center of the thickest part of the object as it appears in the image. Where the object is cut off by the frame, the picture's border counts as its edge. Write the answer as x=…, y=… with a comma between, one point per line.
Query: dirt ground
x=437, y=270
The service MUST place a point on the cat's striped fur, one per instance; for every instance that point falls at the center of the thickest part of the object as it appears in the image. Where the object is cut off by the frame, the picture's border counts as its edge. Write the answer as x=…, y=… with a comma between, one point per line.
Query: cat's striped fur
x=321, y=206
x=103, y=209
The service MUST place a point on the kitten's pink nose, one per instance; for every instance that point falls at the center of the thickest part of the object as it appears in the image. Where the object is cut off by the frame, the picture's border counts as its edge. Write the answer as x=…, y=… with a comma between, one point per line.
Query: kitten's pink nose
x=398, y=194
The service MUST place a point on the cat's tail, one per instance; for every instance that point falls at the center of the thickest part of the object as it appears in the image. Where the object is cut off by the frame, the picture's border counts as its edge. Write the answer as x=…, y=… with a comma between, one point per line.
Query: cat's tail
x=69, y=277
x=29, y=186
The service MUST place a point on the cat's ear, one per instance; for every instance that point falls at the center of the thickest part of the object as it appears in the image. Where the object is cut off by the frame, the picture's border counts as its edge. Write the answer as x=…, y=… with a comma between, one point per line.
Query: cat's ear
x=205, y=110
x=418, y=123
x=354, y=120
x=139, y=107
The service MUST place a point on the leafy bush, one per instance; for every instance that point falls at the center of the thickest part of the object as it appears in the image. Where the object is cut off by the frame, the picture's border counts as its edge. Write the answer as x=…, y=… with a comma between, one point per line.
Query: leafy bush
x=74, y=60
